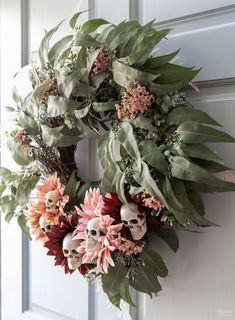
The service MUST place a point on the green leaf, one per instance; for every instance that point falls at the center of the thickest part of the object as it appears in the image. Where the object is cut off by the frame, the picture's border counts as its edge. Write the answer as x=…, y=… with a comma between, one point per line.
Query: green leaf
x=170, y=237
x=59, y=105
x=16, y=96
x=145, y=180
x=198, y=151
x=54, y=137
x=28, y=123
x=104, y=106
x=66, y=84
x=72, y=186
x=184, y=114
x=211, y=166
x=126, y=137
x=144, y=123
x=115, y=300
x=202, y=187
x=59, y=47
x=74, y=19
x=151, y=154
x=196, y=213
x=145, y=280
x=173, y=73
x=22, y=222
x=194, y=132
x=125, y=292
x=142, y=51
x=83, y=39
x=177, y=200
x=44, y=46
x=120, y=34
x=18, y=153
x=25, y=187
x=92, y=25
x=123, y=73
x=183, y=169
x=155, y=62
x=111, y=280
x=154, y=260
x=197, y=202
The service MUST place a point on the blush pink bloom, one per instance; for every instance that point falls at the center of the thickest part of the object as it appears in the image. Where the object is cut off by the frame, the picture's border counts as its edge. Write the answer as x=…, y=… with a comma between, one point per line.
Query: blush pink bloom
x=92, y=209
x=102, y=63
x=136, y=99
x=52, y=183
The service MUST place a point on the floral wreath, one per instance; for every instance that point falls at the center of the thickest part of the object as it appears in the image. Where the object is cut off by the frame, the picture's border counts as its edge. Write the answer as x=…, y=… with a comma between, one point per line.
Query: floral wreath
x=106, y=85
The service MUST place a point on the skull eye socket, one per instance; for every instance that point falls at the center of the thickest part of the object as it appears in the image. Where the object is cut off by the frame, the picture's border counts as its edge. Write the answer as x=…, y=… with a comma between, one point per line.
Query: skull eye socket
x=66, y=251
x=125, y=222
x=134, y=221
x=74, y=251
x=93, y=233
x=50, y=200
x=140, y=216
x=48, y=227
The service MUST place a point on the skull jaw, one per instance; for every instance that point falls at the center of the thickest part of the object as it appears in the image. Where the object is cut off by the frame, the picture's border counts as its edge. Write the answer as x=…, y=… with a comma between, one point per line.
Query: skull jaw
x=74, y=263
x=91, y=245
x=137, y=233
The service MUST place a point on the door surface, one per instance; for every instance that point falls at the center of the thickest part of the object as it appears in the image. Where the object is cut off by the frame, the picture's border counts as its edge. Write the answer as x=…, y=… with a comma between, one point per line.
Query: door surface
x=201, y=282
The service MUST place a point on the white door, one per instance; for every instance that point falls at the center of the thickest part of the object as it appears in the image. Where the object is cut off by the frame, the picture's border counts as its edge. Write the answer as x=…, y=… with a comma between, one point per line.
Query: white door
x=201, y=282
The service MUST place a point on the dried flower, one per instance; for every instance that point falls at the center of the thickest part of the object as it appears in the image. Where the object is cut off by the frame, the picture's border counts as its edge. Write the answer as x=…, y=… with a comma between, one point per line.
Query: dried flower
x=136, y=98
x=52, y=90
x=102, y=62
x=21, y=137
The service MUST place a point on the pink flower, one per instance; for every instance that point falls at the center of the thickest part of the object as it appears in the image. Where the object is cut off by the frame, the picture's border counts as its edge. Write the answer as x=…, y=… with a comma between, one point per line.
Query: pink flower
x=136, y=99
x=91, y=208
x=102, y=62
x=52, y=184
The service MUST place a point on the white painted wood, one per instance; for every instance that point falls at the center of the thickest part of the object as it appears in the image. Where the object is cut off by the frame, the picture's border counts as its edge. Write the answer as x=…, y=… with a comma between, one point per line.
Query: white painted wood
x=163, y=10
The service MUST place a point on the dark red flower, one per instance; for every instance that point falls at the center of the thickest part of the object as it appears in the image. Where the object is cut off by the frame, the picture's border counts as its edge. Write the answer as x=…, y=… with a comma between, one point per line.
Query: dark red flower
x=54, y=244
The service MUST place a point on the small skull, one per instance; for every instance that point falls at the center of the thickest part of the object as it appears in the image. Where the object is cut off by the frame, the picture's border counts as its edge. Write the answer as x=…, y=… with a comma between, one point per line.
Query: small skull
x=70, y=252
x=51, y=200
x=44, y=224
x=134, y=220
x=93, y=232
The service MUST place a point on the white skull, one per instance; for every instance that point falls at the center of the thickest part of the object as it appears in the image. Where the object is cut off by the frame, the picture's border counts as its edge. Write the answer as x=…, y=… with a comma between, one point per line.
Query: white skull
x=92, y=234
x=44, y=224
x=70, y=252
x=51, y=200
x=134, y=220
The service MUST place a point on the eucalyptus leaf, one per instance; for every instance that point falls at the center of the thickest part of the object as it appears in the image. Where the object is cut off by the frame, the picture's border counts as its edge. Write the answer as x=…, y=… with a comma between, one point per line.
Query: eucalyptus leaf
x=152, y=259
x=125, y=292
x=170, y=237
x=151, y=154
x=44, y=46
x=145, y=180
x=155, y=62
x=184, y=169
x=198, y=151
x=104, y=106
x=92, y=25
x=126, y=137
x=123, y=73
x=74, y=19
x=59, y=105
x=111, y=281
x=59, y=47
x=184, y=114
x=177, y=203
x=194, y=132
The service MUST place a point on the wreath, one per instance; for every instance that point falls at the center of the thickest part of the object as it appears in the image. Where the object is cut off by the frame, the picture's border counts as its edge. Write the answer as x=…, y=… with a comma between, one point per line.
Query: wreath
x=151, y=144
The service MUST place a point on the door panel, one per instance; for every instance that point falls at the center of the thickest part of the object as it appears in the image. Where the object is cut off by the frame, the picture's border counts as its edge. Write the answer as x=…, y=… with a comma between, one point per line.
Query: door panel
x=200, y=283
